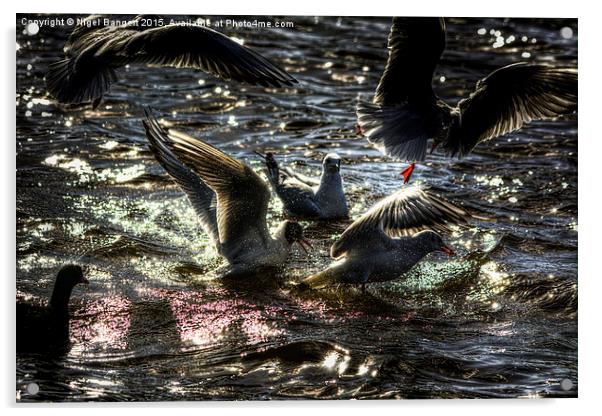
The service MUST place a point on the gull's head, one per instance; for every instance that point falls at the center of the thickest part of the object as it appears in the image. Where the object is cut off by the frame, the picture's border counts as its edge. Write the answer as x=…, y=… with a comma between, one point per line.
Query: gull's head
x=331, y=163
x=432, y=241
x=293, y=232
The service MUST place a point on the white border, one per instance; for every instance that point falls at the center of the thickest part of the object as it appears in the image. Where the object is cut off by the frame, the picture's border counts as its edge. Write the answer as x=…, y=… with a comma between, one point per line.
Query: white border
x=590, y=70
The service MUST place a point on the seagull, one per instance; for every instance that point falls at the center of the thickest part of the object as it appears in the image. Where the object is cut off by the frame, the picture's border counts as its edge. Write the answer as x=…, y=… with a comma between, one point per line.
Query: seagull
x=230, y=199
x=46, y=327
x=93, y=52
x=406, y=112
x=390, y=238
x=308, y=198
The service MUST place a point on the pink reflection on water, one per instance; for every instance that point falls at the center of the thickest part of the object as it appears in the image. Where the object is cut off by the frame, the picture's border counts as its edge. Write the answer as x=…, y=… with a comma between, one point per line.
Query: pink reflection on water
x=257, y=328
x=104, y=324
x=203, y=318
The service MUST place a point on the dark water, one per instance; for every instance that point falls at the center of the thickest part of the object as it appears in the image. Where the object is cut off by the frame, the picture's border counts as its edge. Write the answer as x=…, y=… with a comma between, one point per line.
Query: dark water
x=154, y=324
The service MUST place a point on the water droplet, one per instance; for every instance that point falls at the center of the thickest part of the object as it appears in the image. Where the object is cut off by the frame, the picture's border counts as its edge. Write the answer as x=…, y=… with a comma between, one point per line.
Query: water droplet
x=32, y=28
x=34, y=388
x=566, y=32
x=566, y=384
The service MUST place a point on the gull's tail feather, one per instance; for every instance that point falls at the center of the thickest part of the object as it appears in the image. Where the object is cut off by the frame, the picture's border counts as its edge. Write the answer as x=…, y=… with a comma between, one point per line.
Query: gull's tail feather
x=321, y=279
x=71, y=83
x=396, y=131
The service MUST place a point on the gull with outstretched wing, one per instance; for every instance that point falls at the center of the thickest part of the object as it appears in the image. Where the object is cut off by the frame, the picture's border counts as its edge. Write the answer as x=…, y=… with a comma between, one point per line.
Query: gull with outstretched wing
x=406, y=113
x=230, y=199
x=93, y=53
x=390, y=238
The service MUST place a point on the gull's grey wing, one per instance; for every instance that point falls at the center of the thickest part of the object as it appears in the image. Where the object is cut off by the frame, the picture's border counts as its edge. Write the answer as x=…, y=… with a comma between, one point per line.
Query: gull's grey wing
x=415, y=45
x=201, y=197
x=86, y=32
x=83, y=76
x=405, y=212
x=297, y=198
x=88, y=71
x=507, y=99
x=242, y=196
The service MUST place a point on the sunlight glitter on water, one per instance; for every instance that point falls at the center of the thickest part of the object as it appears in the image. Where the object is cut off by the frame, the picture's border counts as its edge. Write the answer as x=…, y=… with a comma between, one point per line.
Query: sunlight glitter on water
x=143, y=240
x=106, y=330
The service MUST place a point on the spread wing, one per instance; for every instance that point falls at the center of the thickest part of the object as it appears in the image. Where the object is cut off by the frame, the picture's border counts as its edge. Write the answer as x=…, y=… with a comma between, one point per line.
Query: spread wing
x=94, y=53
x=193, y=46
x=242, y=196
x=201, y=197
x=415, y=46
x=405, y=212
x=507, y=99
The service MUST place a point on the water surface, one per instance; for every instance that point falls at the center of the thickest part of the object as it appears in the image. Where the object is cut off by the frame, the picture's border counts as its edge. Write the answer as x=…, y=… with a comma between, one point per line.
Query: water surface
x=500, y=320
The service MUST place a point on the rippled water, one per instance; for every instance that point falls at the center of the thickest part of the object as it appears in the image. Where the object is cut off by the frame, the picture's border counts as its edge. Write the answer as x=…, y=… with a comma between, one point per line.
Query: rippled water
x=500, y=320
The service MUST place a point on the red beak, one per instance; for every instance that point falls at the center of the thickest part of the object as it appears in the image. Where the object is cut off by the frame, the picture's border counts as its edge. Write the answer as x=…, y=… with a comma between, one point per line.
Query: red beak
x=448, y=250
x=407, y=172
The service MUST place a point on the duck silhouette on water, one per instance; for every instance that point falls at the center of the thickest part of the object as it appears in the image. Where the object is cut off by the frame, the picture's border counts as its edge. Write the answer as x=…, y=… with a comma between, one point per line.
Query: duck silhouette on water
x=44, y=328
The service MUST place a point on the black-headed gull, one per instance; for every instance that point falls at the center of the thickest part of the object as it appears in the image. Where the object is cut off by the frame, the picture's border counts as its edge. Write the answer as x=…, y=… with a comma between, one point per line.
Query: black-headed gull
x=308, y=198
x=390, y=238
x=94, y=51
x=406, y=112
x=230, y=199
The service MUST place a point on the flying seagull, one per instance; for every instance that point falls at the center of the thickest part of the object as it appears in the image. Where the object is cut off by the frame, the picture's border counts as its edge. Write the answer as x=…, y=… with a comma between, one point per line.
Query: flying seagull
x=93, y=53
x=406, y=112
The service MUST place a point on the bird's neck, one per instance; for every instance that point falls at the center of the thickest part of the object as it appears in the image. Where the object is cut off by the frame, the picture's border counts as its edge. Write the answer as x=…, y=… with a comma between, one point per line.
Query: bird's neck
x=59, y=301
x=331, y=184
x=412, y=248
x=330, y=192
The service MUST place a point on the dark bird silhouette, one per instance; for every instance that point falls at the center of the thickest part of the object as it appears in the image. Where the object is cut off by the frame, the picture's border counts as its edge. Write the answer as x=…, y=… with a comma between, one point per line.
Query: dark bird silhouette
x=406, y=112
x=46, y=327
x=93, y=53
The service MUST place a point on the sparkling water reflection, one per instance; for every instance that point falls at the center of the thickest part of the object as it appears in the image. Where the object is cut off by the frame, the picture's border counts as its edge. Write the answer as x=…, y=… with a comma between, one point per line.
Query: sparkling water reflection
x=155, y=323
